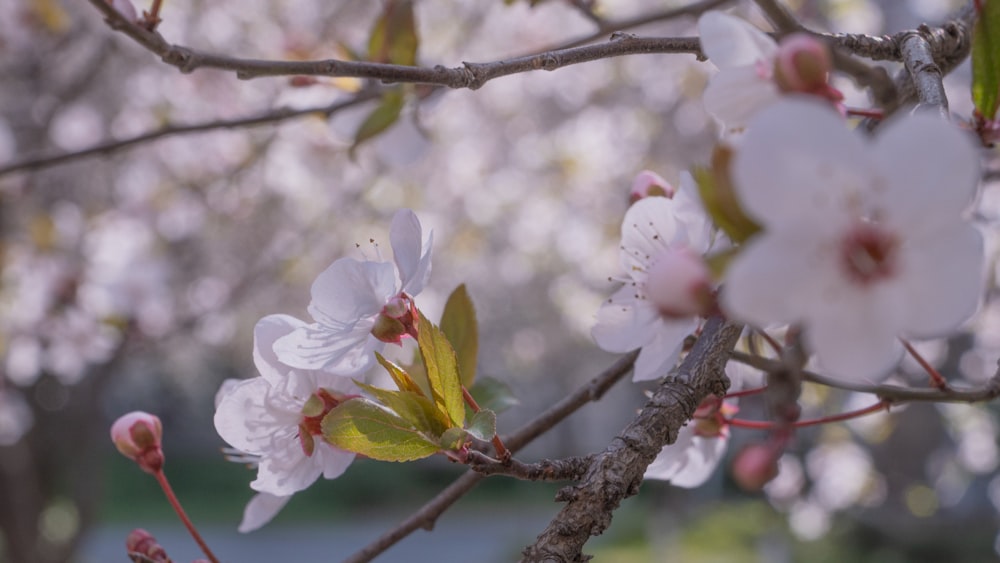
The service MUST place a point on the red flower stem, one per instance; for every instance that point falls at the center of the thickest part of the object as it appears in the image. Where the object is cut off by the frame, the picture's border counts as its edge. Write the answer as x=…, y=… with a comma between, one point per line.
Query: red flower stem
x=771, y=341
x=937, y=380
x=859, y=112
x=746, y=392
x=502, y=452
x=768, y=425
x=161, y=478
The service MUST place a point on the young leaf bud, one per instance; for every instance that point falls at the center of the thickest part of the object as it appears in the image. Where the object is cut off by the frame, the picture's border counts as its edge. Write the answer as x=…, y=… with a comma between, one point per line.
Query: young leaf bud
x=142, y=546
x=802, y=64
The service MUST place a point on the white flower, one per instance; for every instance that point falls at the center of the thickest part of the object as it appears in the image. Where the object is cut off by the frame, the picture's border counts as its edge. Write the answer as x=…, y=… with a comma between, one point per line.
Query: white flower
x=261, y=509
x=745, y=57
x=653, y=230
x=353, y=298
x=862, y=241
x=268, y=416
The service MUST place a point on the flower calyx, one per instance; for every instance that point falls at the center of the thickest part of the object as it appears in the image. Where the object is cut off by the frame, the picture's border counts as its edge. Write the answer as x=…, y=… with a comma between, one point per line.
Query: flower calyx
x=314, y=410
x=398, y=318
x=138, y=436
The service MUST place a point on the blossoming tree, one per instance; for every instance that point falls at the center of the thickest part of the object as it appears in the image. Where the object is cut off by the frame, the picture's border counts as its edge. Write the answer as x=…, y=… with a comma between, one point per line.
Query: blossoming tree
x=832, y=225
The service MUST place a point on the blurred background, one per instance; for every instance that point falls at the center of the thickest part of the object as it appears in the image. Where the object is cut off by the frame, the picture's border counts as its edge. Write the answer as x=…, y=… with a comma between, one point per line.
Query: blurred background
x=133, y=279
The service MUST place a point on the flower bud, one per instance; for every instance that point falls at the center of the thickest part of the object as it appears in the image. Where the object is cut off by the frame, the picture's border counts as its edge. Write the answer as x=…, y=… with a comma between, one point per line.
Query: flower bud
x=142, y=546
x=680, y=283
x=138, y=436
x=755, y=465
x=802, y=64
x=648, y=184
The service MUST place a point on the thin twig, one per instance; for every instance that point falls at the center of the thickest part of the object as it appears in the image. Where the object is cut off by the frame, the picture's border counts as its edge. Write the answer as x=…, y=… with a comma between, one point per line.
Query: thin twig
x=926, y=75
x=469, y=75
x=273, y=116
x=894, y=393
x=428, y=514
x=571, y=468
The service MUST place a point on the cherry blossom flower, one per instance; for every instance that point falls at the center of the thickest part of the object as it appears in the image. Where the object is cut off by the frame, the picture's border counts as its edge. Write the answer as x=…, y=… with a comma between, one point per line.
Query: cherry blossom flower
x=754, y=70
x=276, y=417
x=657, y=230
x=863, y=241
x=358, y=306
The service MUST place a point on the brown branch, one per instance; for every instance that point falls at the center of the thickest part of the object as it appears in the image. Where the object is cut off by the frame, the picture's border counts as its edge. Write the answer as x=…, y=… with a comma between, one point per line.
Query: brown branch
x=108, y=147
x=892, y=393
x=428, y=514
x=571, y=468
x=925, y=74
x=617, y=472
x=469, y=75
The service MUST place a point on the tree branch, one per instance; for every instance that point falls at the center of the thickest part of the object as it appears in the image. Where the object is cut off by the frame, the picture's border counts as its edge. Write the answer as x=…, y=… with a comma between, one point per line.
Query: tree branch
x=892, y=393
x=925, y=74
x=469, y=75
x=272, y=116
x=571, y=468
x=616, y=473
x=428, y=514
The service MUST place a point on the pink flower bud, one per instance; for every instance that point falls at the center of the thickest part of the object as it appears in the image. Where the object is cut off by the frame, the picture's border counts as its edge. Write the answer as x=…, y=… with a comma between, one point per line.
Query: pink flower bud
x=680, y=284
x=647, y=184
x=755, y=465
x=142, y=546
x=138, y=436
x=125, y=8
x=802, y=64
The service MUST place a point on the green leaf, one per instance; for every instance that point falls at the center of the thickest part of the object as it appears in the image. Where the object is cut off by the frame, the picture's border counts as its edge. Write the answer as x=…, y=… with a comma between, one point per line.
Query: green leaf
x=459, y=324
x=493, y=394
x=986, y=60
x=411, y=407
x=442, y=370
x=402, y=379
x=381, y=118
x=483, y=425
x=453, y=438
x=394, y=37
x=363, y=427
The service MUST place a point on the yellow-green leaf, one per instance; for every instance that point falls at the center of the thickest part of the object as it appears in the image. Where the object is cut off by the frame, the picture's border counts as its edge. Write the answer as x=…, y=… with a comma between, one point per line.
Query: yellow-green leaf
x=719, y=197
x=411, y=407
x=394, y=36
x=986, y=60
x=381, y=118
x=363, y=427
x=402, y=379
x=459, y=324
x=442, y=370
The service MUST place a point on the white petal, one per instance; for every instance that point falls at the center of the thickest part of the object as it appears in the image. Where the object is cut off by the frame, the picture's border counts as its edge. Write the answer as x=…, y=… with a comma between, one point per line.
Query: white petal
x=777, y=276
x=411, y=253
x=798, y=161
x=251, y=416
x=350, y=290
x=649, y=226
x=624, y=323
x=730, y=42
x=735, y=95
x=346, y=352
x=943, y=280
x=856, y=339
x=334, y=461
x=286, y=470
x=690, y=213
x=930, y=169
x=268, y=330
x=660, y=354
x=689, y=461
x=261, y=509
